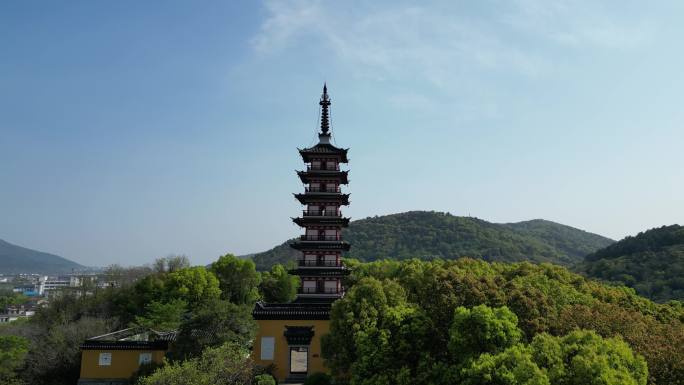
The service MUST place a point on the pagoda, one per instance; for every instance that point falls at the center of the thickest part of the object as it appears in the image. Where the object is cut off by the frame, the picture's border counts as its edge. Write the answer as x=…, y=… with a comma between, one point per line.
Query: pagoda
x=320, y=263
x=288, y=336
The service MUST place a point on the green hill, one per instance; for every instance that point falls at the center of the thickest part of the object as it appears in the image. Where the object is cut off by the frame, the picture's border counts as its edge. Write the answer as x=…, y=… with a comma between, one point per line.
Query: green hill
x=16, y=259
x=428, y=235
x=652, y=262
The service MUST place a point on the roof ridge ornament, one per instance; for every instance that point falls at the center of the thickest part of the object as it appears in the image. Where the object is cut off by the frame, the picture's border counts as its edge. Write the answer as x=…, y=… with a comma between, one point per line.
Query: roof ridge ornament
x=325, y=119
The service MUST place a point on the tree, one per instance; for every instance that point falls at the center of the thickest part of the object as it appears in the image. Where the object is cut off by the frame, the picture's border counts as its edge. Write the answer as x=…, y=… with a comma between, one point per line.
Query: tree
x=375, y=336
x=584, y=357
x=513, y=366
x=163, y=316
x=13, y=350
x=238, y=279
x=278, y=285
x=171, y=263
x=195, y=285
x=226, y=365
x=9, y=298
x=55, y=357
x=213, y=324
x=482, y=330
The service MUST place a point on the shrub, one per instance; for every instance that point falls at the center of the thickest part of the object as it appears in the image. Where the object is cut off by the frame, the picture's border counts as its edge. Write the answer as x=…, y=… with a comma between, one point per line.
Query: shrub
x=318, y=379
x=264, y=379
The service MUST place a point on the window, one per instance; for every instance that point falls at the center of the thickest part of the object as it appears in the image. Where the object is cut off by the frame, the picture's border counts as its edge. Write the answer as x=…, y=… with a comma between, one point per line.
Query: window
x=105, y=359
x=331, y=287
x=145, y=358
x=267, y=348
x=331, y=260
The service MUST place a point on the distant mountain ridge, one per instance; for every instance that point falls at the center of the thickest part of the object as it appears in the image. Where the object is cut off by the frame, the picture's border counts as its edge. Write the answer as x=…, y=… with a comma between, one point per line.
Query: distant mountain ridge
x=652, y=262
x=16, y=259
x=429, y=234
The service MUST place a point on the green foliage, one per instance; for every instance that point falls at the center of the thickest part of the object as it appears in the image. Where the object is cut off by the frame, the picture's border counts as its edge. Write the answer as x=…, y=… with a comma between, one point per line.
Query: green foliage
x=513, y=366
x=544, y=298
x=583, y=357
x=429, y=235
x=226, y=365
x=482, y=330
x=264, y=379
x=172, y=296
x=163, y=316
x=13, y=350
x=238, y=279
x=318, y=379
x=652, y=263
x=214, y=324
x=278, y=285
x=10, y=298
x=54, y=357
x=195, y=285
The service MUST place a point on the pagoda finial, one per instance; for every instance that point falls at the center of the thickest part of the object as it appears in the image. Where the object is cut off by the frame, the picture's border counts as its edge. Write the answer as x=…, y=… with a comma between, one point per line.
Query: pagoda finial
x=325, y=103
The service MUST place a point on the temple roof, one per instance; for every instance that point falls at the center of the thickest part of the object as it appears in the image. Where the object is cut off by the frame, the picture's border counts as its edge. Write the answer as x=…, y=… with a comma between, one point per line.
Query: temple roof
x=291, y=311
x=323, y=149
x=136, y=338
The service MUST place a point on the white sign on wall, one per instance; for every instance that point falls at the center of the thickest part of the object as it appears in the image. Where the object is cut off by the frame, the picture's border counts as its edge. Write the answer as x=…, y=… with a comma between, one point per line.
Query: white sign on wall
x=267, y=348
x=105, y=359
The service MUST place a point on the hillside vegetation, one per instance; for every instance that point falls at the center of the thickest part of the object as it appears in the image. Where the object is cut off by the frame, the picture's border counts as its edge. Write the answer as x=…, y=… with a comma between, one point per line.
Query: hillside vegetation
x=652, y=262
x=428, y=235
x=16, y=259
x=472, y=322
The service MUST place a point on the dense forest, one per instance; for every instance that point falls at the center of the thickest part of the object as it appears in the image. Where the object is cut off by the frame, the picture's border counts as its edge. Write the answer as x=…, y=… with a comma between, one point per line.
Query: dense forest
x=652, y=262
x=429, y=234
x=473, y=322
x=463, y=321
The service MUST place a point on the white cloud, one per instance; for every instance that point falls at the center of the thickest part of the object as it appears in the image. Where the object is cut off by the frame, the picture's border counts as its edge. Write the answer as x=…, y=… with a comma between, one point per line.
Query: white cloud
x=455, y=48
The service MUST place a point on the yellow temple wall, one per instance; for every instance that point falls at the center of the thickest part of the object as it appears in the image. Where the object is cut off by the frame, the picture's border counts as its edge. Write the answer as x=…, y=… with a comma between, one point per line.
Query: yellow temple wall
x=275, y=329
x=124, y=363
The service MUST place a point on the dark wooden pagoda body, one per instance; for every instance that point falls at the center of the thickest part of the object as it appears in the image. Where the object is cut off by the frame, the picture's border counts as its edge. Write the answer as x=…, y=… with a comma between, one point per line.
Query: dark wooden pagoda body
x=319, y=265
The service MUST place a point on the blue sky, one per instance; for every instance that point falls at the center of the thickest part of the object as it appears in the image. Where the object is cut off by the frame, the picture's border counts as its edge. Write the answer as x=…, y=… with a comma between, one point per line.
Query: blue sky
x=131, y=130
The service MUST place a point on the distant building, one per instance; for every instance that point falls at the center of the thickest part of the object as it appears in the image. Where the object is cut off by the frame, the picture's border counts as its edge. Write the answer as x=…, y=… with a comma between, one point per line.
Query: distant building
x=13, y=313
x=27, y=290
x=112, y=359
x=289, y=334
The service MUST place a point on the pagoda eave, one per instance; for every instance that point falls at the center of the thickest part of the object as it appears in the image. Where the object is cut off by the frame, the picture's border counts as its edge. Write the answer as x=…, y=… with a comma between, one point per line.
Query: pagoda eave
x=320, y=271
x=342, y=199
x=320, y=245
x=308, y=176
x=330, y=221
x=319, y=151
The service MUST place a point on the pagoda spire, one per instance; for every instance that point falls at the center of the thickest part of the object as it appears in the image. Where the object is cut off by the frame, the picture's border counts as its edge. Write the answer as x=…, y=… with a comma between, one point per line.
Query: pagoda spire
x=325, y=103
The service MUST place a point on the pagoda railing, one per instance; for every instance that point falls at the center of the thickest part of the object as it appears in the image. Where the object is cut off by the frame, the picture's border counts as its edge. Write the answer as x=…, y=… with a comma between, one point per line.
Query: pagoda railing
x=308, y=263
x=320, y=238
x=322, y=213
x=323, y=189
x=318, y=290
x=323, y=168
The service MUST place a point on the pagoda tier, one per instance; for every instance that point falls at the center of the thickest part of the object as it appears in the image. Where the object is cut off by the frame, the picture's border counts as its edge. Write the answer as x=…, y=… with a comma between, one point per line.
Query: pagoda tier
x=313, y=175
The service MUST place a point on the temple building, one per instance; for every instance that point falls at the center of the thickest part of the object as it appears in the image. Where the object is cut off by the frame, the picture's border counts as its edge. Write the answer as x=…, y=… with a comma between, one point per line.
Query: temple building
x=289, y=334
